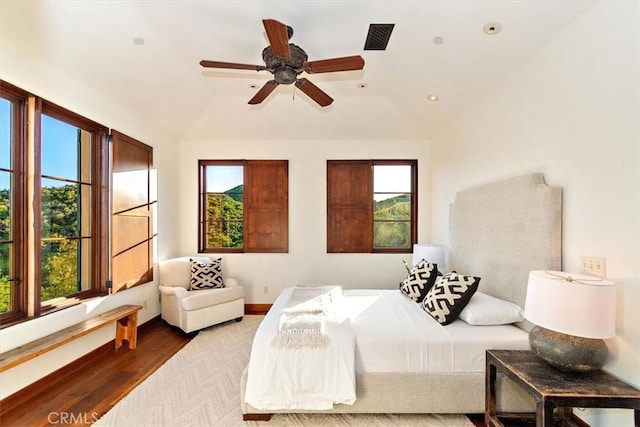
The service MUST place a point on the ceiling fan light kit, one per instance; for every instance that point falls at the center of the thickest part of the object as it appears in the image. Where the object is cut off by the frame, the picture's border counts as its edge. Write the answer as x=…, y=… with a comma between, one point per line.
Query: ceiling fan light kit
x=286, y=61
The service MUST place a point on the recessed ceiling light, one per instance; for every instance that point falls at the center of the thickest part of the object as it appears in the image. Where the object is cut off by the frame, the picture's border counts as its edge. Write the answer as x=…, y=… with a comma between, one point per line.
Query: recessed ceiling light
x=433, y=98
x=362, y=85
x=492, y=28
x=138, y=41
x=438, y=40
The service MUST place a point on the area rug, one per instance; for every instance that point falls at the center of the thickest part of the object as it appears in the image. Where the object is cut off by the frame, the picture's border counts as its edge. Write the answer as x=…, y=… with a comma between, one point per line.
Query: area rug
x=200, y=386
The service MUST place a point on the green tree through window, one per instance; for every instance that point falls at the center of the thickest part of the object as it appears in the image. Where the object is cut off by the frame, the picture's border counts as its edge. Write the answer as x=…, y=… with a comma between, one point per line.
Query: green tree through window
x=6, y=180
x=65, y=209
x=53, y=195
x=223, y=222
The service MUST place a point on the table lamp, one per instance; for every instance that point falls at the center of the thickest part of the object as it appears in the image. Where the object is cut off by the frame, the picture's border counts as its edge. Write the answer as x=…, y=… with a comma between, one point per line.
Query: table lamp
x=434, y=254
x=572, y=315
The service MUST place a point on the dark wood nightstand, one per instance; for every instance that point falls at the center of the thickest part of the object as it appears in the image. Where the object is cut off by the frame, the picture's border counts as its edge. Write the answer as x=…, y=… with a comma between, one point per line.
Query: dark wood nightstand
x=552, y=388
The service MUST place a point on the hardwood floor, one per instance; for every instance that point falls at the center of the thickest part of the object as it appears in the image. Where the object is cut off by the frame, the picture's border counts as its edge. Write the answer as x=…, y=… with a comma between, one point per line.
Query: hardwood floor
x=84, y=390
x=81, y=392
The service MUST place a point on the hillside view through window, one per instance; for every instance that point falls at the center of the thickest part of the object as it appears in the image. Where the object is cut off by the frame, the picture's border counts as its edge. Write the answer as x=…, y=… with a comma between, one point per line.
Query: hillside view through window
x=65, y=196
x=391, y=206
x=223, y=211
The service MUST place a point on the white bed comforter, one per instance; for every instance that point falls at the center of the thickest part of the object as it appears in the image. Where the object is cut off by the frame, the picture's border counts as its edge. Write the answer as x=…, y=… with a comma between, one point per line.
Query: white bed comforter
x=302, y=377
x=392, y=334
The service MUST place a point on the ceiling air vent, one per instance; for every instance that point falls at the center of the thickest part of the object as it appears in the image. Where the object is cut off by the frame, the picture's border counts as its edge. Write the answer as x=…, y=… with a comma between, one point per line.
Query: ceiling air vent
x=378, y=36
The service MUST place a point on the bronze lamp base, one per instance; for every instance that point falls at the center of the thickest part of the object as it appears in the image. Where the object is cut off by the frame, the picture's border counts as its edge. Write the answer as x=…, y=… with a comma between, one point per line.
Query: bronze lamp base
x=568, y=352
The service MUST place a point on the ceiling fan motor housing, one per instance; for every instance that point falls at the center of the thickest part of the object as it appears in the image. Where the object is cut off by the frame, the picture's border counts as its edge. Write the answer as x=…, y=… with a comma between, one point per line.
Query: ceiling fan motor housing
x=286, y=70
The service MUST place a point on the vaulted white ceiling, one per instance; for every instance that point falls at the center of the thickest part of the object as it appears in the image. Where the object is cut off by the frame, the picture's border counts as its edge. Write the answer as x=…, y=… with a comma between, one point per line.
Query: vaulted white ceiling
x=160, y=81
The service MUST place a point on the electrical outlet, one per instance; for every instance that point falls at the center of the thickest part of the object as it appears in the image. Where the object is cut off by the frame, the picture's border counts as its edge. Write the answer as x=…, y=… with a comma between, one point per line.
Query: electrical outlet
x=592, y=265
x=144, y=305
x=265, y=290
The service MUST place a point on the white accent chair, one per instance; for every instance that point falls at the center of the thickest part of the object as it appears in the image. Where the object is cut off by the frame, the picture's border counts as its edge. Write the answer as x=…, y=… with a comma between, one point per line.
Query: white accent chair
x=194, y=310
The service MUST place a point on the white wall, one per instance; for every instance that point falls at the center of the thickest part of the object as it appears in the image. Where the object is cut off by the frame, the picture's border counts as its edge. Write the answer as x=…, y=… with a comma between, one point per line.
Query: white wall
x=176, y=164
x=571, y=112
x=307, y=260
x=21, y=69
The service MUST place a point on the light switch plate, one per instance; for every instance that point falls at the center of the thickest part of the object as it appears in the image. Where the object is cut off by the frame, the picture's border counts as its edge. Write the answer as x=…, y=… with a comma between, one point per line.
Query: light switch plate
x=592, y=265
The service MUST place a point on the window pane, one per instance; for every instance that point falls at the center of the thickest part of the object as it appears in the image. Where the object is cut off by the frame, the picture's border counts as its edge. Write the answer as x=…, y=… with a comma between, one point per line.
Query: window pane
x=224, y=179
x=5, y=133
x=65, y=202
x=223, y=221
x=6, y=245
x=64, y=269
x=5, y=206
x=60, y=205
x=5, y=274
x=393, y=207
x=223, y=214
x=391, y=179
x=388, y=235
x=66, y=150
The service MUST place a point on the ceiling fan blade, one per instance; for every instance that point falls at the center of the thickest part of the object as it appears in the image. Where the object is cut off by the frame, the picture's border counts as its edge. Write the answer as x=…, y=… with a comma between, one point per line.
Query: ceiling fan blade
x=231, y=65
x=278, y=37
x=346, y=63
x=314, y=92
x=263, y=92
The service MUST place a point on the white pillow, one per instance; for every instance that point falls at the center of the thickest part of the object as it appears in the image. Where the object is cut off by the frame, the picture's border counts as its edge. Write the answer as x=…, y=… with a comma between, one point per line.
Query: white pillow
x=485, y=310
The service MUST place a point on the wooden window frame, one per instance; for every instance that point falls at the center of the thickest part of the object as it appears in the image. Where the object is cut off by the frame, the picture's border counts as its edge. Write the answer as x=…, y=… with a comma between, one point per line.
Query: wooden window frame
x=265, y=195
x=98, y=210
x=26, y=221
x=18, y=99
x=350, y=206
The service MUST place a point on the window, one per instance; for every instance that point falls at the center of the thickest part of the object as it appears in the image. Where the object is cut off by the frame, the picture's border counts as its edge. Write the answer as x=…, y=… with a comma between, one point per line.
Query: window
x=54, y=207
x=51, y=206
x=371, y=206
x=11, y=108
x=65, y=209
x=223, y=202
x=243, y=206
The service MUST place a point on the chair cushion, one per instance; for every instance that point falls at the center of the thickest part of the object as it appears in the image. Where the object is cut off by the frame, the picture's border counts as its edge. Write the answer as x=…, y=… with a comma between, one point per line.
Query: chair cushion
x=196, y=300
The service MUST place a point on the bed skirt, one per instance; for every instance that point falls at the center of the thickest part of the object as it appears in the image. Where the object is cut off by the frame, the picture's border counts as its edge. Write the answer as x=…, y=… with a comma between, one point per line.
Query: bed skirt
x=421, y=393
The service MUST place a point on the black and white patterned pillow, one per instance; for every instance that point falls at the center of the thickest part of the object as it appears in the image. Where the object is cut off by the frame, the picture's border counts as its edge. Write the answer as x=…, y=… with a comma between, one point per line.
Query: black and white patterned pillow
x=206, y=275
x=449, y=296
x=420, y=279
x=439, y=272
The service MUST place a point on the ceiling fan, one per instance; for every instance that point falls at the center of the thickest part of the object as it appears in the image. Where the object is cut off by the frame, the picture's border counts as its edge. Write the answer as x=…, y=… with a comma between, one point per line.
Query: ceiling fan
x=286, y=62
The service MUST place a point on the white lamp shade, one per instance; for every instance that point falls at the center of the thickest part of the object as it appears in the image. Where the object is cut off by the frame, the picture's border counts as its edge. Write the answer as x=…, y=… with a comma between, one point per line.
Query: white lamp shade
x=434, y=254
x=583, y=306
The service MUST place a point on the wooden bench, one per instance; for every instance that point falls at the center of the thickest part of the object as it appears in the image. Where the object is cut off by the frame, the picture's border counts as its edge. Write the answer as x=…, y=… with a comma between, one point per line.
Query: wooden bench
x=125, y=317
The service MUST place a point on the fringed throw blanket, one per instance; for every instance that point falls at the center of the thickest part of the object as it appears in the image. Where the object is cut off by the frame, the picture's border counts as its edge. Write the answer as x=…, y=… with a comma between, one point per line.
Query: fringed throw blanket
x=311, y=369
x=303, y=320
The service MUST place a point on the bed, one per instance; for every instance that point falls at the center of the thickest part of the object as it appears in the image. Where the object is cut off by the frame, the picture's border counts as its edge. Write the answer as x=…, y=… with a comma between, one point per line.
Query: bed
x=498, y=232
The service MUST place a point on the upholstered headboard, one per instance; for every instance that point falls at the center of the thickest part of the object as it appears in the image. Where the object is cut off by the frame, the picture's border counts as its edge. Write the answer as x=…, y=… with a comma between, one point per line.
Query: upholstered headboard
x=501, y=231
